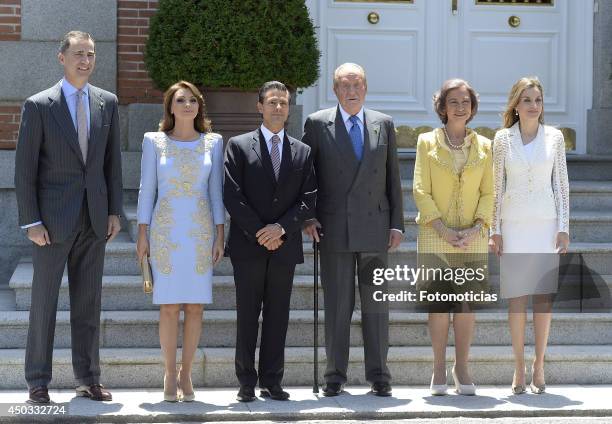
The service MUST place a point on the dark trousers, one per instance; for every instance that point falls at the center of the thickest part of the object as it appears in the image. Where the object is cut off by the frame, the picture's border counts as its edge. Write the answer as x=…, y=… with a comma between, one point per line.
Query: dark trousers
x=338, y=271
x=262, y=286
x=83, y=252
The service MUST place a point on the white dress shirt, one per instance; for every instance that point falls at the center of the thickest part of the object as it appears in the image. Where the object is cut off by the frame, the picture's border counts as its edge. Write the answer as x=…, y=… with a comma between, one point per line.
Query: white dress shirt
x=70, y=93
x=268, y=137
x=346, y=118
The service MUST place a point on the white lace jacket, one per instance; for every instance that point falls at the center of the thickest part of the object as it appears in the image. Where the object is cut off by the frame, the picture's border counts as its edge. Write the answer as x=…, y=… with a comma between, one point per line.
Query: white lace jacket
x=530, y=189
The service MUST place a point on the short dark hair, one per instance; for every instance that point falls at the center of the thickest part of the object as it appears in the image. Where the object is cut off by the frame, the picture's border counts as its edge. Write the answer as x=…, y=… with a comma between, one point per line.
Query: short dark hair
x=272, y=85
x=79, y=35
x=439, y=98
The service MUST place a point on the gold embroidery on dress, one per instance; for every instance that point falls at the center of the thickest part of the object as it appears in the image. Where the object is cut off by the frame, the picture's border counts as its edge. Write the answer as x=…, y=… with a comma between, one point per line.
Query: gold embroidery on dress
x=203, y=233
x=188, y=163
x=161, y=246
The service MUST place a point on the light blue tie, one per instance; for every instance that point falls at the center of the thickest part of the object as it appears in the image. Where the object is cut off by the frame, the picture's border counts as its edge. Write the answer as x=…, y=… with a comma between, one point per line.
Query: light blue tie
x=356, y=137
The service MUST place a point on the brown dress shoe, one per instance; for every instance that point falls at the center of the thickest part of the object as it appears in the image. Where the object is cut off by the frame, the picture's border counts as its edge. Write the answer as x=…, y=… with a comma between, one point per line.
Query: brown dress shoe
x=39, y=394
x=94, y=392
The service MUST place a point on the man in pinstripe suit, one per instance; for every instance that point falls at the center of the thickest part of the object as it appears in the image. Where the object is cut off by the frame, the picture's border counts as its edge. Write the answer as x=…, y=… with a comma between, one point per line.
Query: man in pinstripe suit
x=69, y=193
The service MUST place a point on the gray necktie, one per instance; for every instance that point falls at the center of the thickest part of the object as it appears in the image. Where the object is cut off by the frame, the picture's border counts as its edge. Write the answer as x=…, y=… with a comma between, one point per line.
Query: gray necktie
x=275, y=155
x=82, y=124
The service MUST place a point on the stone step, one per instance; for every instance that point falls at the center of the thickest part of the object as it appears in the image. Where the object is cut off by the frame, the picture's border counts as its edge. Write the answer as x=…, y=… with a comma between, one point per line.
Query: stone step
x=214, y=367
x=121, y=257
x=124, y=292
x=579, y=167
x=562, y=404
x=7, y=298
x=139, y=329
x=594, y=198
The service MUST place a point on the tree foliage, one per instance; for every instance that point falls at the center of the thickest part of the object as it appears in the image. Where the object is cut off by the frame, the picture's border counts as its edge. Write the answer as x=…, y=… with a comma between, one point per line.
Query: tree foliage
x=232, y=43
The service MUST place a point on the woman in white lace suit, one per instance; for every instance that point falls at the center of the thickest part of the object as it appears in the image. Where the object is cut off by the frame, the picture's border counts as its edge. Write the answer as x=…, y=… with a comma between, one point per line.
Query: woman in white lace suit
x=183, y=165
x=531, y=220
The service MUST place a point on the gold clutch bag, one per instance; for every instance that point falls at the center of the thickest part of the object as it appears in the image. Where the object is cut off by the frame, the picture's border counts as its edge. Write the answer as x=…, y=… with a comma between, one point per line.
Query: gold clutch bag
x=147, y=277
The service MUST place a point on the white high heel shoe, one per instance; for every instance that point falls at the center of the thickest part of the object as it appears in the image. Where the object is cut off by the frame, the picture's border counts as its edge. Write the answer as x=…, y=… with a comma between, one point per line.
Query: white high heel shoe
x=463, y=389
x=438, y=389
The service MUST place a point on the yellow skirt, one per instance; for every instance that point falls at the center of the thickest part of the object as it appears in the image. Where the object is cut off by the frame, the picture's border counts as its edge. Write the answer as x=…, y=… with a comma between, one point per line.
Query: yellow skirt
x=446, y=269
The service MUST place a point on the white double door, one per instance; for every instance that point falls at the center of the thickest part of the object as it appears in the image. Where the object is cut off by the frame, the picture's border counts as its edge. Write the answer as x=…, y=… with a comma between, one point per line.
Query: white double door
x=415, y=46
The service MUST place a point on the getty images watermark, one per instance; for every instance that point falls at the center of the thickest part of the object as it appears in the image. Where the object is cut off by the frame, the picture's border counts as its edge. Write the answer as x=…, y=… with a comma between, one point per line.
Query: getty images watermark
x=460, y=278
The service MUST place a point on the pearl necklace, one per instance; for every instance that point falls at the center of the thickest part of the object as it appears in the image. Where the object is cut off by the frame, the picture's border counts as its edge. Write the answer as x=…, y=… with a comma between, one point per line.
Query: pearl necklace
x=451, y=145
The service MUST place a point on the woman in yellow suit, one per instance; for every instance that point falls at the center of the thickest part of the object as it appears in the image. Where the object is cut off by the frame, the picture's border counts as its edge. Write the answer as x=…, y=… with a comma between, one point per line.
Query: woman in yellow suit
x=453, y=192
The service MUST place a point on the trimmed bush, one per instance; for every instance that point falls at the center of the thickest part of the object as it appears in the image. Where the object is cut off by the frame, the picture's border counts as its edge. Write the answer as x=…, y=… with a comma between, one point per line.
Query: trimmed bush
x=232, y=43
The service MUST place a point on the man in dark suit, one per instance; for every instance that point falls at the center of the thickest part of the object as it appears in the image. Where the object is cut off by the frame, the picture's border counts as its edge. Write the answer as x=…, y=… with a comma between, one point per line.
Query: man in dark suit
x=69, y=193
x=269, y=192
x=359, y=207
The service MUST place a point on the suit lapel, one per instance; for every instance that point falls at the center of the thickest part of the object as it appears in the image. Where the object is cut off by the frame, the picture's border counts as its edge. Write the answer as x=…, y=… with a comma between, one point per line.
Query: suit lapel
x=261, y=150
x=517, y=143
x=61, y=113
x=96, y=106
x=342, y=140
x=288, y=156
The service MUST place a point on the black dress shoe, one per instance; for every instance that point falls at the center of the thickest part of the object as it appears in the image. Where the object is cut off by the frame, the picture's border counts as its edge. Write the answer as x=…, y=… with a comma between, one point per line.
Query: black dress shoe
x=381, y=389
x=94, y=392
x=246, y=394
x=38, y=395
x=275, y=392
x=332, y=389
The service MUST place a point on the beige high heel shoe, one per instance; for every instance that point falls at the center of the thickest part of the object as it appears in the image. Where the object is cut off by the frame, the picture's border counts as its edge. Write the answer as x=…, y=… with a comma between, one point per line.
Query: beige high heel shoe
x=169, y=396
x=183, y=396
x=537, y=389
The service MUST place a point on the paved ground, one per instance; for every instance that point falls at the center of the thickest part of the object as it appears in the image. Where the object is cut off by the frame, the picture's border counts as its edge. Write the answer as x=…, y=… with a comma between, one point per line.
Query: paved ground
x=356, y=404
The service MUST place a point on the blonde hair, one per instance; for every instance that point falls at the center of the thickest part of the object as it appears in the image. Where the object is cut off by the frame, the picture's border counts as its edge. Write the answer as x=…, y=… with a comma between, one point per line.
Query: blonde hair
x=200, y=123
x=509, y=116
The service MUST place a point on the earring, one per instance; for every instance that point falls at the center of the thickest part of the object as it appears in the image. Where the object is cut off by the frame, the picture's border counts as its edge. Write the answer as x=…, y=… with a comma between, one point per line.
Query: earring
x=516, y=112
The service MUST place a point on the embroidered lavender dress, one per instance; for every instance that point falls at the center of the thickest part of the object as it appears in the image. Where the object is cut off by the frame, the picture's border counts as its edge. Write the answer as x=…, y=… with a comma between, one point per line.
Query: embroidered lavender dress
x=187, y=177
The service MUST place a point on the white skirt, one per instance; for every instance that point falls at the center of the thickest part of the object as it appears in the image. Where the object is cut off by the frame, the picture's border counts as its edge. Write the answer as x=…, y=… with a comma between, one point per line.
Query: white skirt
x=529, y=263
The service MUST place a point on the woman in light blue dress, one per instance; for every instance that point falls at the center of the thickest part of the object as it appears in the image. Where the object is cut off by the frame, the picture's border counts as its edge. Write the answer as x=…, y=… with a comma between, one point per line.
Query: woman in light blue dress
x=183, y=165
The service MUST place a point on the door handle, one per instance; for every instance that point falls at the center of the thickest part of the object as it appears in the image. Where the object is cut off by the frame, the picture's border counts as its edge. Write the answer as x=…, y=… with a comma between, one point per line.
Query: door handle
x=454, y=7
x=514, y=21
x=373, y=18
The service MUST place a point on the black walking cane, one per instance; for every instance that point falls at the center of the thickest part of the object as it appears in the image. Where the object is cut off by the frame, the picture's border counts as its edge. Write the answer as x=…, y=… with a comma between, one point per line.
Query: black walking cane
x=315, y=383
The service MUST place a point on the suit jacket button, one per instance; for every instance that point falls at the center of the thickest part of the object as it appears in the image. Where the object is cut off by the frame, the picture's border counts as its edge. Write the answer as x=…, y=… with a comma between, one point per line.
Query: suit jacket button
x=376, y=171
x=275, y=200
x=246, y=233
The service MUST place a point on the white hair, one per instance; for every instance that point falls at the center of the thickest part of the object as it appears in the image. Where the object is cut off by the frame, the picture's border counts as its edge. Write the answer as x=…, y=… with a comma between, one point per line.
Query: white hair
x=349, y=66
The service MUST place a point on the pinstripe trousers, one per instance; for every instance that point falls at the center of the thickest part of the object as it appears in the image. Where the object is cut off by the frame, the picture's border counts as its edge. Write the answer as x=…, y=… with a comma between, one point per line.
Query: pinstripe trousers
x=83, y=252
x=338, y=271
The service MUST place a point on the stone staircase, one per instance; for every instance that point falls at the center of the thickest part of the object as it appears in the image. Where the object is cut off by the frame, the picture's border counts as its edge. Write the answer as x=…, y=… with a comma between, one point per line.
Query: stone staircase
x=580, y=349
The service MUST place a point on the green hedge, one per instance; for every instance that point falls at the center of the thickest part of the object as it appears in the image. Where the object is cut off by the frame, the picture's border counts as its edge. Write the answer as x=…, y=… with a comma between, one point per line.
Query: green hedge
x=232, y=43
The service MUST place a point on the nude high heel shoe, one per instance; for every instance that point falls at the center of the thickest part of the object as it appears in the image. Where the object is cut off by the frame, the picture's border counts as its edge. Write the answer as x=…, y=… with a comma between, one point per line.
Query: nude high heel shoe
x=183, y=396
x=518, y=389
x=537, y=389
x=438, y=389
x=463, y=389
x=170, y=396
